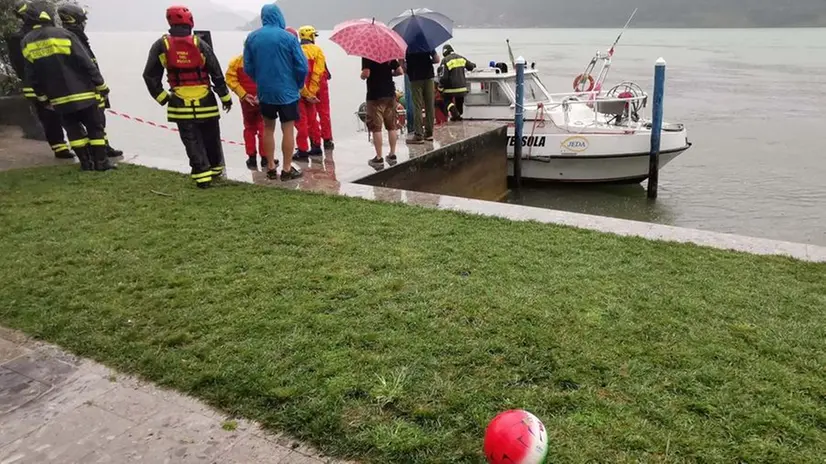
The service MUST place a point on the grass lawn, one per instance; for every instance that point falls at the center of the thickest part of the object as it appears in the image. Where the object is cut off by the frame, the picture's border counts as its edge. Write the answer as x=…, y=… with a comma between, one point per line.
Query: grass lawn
x=389, y=333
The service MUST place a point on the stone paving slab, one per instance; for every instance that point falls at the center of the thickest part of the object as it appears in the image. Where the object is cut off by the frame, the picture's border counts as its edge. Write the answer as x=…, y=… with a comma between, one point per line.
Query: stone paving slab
x=57, y=408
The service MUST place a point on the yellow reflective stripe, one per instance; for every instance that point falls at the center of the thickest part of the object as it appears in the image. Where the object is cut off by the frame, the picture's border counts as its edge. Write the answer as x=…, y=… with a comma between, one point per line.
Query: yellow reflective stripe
x=218, y=169
x=45, y=16
x=194, y=116
x=29, y=94
x=97, y=142
x=226, y=98
x=23, y=8
x=79, y=143
x=42, y=98
x=74, y=98
x=102, y=87
x=201, y=175
x=60, y=147
x=459, y=90
x=162, y=96
x=456, y=63
x=48, y=47
x=190, y=109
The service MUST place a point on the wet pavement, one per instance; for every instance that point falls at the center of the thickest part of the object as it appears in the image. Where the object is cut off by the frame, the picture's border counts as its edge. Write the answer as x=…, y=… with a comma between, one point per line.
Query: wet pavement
x=57, y=408
x=333, y=172
x=17, y=152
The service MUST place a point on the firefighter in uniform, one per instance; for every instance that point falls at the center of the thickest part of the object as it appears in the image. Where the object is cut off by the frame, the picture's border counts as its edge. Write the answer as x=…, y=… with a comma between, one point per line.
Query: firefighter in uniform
x=49, y=119
x=190, y=64
x=453, y=82
x=62, y=75
x=242, y=84
x=308, y=139
x=74, y=19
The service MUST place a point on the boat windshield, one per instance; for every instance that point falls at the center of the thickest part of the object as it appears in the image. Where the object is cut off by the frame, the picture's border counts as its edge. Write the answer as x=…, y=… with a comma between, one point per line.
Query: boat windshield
x=533, y=90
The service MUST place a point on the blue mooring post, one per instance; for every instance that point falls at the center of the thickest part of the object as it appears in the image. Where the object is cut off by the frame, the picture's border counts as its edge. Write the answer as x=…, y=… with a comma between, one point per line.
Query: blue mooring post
x=408, y=104
x=656, y=128
x=519, y=120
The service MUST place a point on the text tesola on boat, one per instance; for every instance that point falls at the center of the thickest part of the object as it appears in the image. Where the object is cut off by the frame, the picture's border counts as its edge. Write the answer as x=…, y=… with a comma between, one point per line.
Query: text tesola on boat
x=582, y=136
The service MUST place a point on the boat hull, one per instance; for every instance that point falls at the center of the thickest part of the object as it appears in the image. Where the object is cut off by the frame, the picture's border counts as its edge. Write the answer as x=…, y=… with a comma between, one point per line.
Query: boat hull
x=593, y=158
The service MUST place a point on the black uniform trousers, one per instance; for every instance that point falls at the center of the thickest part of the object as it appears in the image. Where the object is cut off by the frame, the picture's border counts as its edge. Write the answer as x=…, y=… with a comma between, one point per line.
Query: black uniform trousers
x=457, y=99
x=202, y=140
x=85, y=128
x=52, y=127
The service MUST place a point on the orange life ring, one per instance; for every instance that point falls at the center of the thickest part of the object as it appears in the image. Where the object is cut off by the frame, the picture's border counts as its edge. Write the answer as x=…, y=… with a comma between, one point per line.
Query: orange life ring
x=578, y=80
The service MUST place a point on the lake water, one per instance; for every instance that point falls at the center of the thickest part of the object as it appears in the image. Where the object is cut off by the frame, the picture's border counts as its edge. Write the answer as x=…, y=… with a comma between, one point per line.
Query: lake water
x=752, y=101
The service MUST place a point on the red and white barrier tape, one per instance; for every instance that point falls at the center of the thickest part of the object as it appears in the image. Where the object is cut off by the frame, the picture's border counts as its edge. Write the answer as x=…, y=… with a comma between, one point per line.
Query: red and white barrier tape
x=160, y=126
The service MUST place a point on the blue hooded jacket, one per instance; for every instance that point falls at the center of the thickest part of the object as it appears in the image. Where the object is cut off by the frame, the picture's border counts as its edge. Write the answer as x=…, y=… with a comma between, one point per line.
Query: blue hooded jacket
x=274, y=60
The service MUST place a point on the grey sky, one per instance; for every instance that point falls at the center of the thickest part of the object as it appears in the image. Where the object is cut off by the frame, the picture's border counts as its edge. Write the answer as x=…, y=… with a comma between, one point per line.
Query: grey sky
x=249, y=5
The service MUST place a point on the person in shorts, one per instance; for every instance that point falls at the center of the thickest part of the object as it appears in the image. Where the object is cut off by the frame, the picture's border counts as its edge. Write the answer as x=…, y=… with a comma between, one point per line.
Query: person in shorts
x=274, y=60
x=381, y=104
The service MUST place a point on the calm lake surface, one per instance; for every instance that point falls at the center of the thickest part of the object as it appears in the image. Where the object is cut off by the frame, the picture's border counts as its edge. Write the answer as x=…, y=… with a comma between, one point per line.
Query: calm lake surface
x=753, y=102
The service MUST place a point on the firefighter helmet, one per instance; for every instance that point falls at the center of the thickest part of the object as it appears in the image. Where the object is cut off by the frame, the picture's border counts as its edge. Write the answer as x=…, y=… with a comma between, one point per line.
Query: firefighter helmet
x=179, y=16
x=307, y=33
x=72, y=13
x=34, y=11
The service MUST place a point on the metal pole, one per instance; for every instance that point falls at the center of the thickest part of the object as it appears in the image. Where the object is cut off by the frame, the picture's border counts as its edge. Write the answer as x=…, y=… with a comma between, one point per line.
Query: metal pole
x=656, y=128
x=519, y=118
x=408, y=104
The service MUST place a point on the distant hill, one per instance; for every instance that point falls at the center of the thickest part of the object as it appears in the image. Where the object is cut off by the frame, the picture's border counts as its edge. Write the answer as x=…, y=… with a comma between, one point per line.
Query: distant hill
x=149, y=15
x=324, y=14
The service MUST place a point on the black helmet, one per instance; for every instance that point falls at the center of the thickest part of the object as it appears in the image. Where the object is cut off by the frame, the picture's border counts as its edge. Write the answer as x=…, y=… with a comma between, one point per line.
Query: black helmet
x=20, y=7
x=71, y=14
x=447, y=49
x=34, y=11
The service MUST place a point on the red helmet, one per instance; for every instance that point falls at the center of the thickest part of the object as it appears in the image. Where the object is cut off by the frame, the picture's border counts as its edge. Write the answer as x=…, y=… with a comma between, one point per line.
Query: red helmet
x=292, y=31
x=179, y=16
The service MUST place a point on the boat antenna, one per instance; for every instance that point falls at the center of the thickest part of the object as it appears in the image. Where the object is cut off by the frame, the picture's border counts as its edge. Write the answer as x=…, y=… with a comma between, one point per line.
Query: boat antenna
x=510, y=54
x=611, y=51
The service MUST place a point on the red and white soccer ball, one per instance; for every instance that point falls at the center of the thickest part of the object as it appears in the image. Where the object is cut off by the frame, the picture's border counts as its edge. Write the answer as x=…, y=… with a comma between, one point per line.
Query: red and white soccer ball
x=516, y=437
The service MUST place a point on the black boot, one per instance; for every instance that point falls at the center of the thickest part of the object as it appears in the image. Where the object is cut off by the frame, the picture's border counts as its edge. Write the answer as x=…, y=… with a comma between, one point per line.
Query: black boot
x=102, y=163
x=329, y=145
x=64, y=154
x=112, y=153
x=85, y=159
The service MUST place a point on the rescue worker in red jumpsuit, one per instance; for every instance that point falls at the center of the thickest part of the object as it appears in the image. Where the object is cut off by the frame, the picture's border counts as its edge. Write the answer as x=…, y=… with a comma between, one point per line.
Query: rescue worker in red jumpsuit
x=190, y=64
x=323, y=109
x=242, y=84
x=308, y=125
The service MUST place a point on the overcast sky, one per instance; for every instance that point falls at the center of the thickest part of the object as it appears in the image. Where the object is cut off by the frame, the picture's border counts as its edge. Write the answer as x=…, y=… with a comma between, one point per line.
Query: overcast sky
x=250, y=5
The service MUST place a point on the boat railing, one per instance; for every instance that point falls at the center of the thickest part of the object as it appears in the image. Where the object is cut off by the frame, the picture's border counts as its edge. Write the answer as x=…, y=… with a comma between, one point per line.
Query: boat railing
x=604, y=109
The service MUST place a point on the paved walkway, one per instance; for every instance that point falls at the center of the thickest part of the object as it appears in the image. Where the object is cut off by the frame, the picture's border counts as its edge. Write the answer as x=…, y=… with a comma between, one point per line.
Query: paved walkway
x=57, y=408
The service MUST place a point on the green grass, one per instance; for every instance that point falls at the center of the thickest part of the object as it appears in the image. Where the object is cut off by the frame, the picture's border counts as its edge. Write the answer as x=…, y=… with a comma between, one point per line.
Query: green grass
x=390, y=333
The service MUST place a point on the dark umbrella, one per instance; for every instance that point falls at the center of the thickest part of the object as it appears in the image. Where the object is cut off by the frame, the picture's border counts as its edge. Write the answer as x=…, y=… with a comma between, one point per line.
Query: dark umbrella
x=422, y=29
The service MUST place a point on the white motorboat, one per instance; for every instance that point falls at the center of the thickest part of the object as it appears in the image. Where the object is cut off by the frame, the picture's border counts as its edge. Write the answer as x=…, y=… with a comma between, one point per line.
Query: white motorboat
x=583, y=136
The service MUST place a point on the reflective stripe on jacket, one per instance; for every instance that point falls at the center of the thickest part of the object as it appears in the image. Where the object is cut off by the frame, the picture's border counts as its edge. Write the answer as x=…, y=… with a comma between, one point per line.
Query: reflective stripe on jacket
x=186, y=102
x=238, y=81
x=59, y=71
x=452, y=73
x=317, y=69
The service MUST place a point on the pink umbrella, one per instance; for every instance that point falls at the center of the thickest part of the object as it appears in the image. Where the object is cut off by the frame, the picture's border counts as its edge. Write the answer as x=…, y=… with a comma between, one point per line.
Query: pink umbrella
x=369, y=39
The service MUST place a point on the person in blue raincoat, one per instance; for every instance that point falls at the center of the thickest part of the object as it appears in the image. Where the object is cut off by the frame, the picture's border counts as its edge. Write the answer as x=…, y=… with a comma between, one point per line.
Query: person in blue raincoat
x=274, y=60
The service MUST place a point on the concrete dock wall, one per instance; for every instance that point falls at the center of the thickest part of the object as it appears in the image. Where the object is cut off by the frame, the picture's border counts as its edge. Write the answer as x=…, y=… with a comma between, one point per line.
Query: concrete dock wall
x=17, y=111
x=475, y=167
